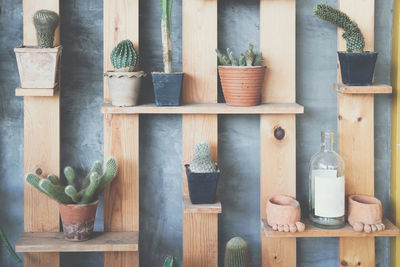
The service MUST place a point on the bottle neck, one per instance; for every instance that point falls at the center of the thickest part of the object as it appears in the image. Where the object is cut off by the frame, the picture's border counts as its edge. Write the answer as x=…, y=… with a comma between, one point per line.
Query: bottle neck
x=327, y=139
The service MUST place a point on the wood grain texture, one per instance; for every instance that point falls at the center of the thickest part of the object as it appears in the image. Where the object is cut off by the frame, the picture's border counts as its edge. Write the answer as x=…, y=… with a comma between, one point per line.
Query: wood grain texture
x=34, y=92
x=347, y=231
x=207, y=108
x=278, y=45
x=121, y=197
x=356, y=135
x=199, y=61
x=41, y=146
x=100, y=241
x=200, y=240
x=188, y=207
x=278, y=176
x=121, y=21
x=372, y=89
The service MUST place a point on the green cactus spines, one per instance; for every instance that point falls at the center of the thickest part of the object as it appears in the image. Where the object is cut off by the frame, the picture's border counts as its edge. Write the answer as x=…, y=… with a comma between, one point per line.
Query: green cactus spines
x=70, y=175
x=71, y=192
x=352, y=34
x=242, y=60
x=53, y=179
x=258, y=59
x=97, y=167
x=202, y=161
x=236, y=253
x=124, y=56
x=55, y=191
x=33, y=180
x=223, y=59
x=249, y=55
x=171, y=261
x=110, y=170
x=232, y=58
x=45, y=22
x=90, y=191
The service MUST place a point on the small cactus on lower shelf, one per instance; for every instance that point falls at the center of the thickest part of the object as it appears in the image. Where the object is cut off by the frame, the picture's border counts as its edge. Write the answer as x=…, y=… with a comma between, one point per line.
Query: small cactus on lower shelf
x=202, y=161
x=171, y=261
x=236, y=253
x=90, y=189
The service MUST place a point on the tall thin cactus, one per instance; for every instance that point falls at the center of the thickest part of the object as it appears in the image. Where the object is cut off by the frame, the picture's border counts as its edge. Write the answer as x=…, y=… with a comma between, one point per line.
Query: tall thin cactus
x=166, y=8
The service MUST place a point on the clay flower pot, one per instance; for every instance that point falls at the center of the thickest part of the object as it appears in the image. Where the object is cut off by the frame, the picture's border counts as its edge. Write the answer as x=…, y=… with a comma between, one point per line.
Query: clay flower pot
x=124, y=87
x=242, y=85
x=284, y=213
x=38, y=67
x=202, y=186
x=78, y=220
x=365, y=213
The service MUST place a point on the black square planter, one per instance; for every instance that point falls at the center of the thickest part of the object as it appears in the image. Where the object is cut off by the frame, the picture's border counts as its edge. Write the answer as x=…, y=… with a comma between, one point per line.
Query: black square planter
x=202, y=186
x=167, y=88
x=357, y=68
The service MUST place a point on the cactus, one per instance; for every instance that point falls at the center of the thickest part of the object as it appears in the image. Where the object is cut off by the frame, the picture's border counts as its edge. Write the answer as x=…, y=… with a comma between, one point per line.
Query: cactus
x=352, y=34
x=69, y=194
x=171, y=261
x=236, y=253
x=249, y=58
x=166, y=8
x=8, y=246
x=202, y=161
x=124, y=56
x=45, y=22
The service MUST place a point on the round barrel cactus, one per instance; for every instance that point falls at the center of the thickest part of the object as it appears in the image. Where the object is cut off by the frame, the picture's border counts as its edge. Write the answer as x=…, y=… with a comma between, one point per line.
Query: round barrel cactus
x=45, y=22
x=236, y=253
x=124, y=56
x=202, y=161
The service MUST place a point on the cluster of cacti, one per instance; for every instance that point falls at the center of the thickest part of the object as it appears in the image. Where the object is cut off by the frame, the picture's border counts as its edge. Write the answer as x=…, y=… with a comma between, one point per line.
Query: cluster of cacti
x=202, y=161
x=166, y=8
x=124, y=56
x=352, y=34
x=249, y=58
x=236, y=253
x=92, y=185
x=5, y=242
x=171, y=261
x=45, y=22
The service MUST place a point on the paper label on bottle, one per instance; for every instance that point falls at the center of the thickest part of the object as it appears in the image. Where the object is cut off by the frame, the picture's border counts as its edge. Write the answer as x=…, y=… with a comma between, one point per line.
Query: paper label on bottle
x=329, y=196
x=321, y=173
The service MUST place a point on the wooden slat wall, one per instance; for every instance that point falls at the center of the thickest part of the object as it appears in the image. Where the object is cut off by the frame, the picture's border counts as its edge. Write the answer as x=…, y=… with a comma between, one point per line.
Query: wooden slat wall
x=121, y=136
x=278, y=172
x=41, y=148
x=199, y=63
x=356, y=137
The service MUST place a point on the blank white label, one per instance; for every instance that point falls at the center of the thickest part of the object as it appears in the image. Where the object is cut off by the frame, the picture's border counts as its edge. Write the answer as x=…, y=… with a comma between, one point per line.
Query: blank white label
x=329, y=196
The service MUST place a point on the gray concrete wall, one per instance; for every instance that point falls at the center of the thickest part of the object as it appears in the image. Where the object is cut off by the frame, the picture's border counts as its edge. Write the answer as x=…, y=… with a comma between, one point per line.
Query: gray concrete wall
x=160, y=136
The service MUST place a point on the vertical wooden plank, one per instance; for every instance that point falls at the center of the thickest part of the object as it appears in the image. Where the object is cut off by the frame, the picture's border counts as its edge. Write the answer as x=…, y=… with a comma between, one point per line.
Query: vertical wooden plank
x=278, y=19
x=41, y=147
x=121, y=21
x=121, y=197
x=395, y=166
x=356, y=136
x=199, y=41
x=277, y=176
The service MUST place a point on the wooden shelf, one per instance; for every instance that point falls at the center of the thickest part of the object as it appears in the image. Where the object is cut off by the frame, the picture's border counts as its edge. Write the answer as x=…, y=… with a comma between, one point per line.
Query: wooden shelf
x=35, y=92
x=371, y=89
x=347, y=231
x=217, y=108
x=188, y=207
x=55, y=242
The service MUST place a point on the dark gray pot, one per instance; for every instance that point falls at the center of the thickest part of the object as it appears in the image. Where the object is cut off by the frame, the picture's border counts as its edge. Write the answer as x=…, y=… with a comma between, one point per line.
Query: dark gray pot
x=167, y=88
x=202, y=186
x=357, y=68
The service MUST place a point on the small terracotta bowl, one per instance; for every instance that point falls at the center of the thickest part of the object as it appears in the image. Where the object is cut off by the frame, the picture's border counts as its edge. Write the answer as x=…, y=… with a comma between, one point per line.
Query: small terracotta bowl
x=284, y=210
x=364, y=209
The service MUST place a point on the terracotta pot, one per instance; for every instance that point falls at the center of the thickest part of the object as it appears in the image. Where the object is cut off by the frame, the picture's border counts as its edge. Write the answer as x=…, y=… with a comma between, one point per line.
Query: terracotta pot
x=284, y=211
x=242, y=85
x=124, y=87
x=38, y=67
x=366, y=210
x=78, y=220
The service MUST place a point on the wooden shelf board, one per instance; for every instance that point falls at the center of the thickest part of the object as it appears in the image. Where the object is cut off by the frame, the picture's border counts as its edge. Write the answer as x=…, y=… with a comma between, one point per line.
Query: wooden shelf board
x=188, y=207
x=35, y=92
x=209, y=108
x=371, y=89
x=55, y=242
x=347, y=231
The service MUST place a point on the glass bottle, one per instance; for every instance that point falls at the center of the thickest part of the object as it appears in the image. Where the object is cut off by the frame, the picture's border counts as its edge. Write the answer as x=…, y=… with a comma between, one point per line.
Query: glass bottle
x=327, y=186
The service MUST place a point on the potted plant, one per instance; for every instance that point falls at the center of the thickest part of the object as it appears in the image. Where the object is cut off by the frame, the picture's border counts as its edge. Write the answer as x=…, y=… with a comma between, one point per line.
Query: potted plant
x=241, y=79
x=357, y=67
x=124, y=83
x=77, y=204
x=202, y=174
x=167, y=84
x=39, y=66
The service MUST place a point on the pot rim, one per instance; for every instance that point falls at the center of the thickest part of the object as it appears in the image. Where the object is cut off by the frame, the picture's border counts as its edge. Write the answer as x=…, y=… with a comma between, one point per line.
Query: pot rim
x=292, y=200
x=37, y=49
x=365, y=200
x=160, y=72
x=80, y=205
x=241, y=67
x=187, y=166
x=129, y=74
x=364, y=52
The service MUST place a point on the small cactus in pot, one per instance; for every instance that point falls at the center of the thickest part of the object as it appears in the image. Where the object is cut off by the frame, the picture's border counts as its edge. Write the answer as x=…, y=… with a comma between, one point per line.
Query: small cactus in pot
x=237, y=253
x=124, y=83
x=357, y=67
x=77, y=201
x=242, y=77
x=203, y=175
x=45, y=22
